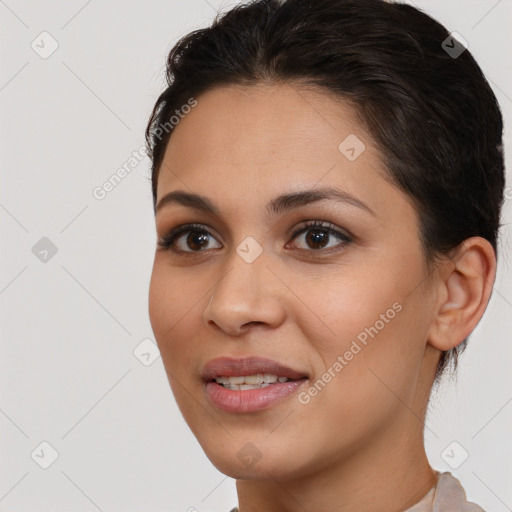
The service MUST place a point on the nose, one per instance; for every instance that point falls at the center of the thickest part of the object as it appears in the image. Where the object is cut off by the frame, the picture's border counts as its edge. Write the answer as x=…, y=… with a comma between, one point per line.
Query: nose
x=247, y=293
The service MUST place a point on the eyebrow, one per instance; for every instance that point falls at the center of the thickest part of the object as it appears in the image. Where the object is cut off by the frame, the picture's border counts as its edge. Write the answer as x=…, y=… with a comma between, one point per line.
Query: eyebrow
x=280, y=204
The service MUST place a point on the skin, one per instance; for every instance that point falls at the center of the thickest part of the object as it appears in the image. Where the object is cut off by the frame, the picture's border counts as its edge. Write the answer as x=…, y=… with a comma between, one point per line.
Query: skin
x=358, y=444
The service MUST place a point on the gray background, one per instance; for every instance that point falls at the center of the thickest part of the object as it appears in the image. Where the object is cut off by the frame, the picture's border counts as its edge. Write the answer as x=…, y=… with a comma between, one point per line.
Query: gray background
x=71, y=321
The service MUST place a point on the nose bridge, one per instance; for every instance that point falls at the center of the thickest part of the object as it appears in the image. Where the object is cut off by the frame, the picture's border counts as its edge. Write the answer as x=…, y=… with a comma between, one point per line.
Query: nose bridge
x=245, y=293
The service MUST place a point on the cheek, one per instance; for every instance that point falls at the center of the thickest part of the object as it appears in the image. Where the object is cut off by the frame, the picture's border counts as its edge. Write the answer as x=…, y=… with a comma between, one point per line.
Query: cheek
x=359, y=303
x=361, y=386
x=161, y=309
x=371, y=320
x=173, y=294
x=172, y=316
x=173, y=302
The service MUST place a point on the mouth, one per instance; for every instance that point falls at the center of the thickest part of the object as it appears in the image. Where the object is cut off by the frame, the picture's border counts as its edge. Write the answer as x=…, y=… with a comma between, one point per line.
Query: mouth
x=253, y=371
x=249, y=384
x=245, y=382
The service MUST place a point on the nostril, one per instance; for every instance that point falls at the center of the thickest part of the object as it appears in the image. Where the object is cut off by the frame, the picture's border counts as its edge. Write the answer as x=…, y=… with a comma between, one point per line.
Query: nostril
x=255, y=322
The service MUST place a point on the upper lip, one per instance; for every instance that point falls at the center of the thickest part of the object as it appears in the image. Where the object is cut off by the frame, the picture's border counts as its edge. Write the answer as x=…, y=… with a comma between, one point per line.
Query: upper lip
x=231, y=367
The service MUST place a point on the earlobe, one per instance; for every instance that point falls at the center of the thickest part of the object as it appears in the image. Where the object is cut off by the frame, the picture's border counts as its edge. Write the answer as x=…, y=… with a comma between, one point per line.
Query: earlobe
x=465, y=285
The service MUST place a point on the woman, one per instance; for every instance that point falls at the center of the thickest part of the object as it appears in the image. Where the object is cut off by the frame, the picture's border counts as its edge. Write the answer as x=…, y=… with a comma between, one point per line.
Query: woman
x=327, y=183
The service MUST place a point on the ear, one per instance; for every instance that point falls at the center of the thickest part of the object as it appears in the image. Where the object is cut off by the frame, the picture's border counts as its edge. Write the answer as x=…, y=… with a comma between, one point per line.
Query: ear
x=464, y=289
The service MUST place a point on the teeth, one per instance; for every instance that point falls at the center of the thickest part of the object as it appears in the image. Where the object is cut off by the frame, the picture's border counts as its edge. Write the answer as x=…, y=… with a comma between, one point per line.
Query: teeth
x=236, y=380
x=250, y=381
x=243, y=387
x=254, y=379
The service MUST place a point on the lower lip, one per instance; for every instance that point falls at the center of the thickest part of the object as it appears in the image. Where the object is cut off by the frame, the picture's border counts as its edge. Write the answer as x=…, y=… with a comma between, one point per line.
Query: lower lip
x=250, y=400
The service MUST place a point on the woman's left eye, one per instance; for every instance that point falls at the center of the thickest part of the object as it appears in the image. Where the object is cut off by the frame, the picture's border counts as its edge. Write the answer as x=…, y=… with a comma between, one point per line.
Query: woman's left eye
x=316, y=234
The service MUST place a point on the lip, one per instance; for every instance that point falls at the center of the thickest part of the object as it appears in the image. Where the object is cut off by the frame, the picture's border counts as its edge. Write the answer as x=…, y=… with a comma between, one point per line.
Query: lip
x=250, y=400
x=231, y=367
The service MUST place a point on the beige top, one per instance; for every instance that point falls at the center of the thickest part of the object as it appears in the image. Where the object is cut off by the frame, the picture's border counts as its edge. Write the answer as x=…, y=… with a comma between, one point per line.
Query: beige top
x=447, y=495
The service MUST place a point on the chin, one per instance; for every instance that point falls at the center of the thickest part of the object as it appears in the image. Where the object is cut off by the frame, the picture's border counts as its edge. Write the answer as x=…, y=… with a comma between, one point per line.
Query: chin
x=250, y=463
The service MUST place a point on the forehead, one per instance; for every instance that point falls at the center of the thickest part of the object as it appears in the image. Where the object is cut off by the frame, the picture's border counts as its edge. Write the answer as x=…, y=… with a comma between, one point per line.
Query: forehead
x=261, y=122
x=264, y=140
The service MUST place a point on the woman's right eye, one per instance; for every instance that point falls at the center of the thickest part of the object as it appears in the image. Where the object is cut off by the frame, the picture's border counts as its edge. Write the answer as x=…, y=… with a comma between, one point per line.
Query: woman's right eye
x=197, y=239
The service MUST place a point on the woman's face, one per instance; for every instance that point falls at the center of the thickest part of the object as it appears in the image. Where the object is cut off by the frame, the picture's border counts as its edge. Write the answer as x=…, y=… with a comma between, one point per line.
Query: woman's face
x=349, y=309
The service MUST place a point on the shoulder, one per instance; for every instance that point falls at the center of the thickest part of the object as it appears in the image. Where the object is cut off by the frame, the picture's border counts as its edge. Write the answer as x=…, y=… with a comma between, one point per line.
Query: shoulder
x=450, y=495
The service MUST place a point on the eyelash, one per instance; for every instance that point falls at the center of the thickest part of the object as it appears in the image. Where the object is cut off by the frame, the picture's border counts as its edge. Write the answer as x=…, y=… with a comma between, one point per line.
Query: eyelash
x=167, y=241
